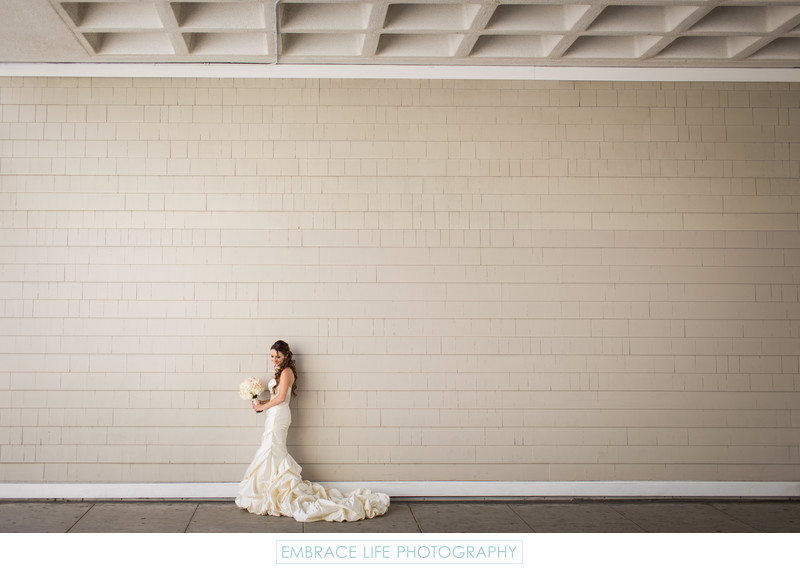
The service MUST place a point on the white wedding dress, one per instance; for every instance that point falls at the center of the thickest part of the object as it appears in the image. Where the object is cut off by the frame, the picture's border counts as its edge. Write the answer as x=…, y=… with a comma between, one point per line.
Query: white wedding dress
x=272, y=484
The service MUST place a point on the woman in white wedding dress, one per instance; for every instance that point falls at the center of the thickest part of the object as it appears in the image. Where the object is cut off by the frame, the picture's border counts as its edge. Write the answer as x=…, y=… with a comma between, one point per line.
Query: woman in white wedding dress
x=272, y=484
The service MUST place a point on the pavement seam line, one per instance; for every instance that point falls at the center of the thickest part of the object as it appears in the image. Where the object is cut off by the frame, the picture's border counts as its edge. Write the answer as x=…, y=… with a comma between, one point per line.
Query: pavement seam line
x=733, y=517
x=196, y=507
x=414, y=517
x=91, y=507
x=629, y=519
x=529, y=526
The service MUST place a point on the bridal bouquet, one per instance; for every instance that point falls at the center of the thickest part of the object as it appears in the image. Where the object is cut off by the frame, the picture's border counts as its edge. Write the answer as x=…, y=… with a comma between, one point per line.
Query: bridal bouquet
x=251, y=388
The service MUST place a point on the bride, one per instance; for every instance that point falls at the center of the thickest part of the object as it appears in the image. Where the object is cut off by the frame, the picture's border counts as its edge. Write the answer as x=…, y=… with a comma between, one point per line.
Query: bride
x=272, y=484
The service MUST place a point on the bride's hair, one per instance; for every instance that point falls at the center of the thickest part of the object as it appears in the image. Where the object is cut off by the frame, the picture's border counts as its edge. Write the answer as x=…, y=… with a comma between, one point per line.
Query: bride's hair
x=282, y=347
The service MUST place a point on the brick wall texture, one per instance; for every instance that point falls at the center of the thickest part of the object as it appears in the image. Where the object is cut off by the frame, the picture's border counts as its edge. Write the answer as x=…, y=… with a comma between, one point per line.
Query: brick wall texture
x=481, y=280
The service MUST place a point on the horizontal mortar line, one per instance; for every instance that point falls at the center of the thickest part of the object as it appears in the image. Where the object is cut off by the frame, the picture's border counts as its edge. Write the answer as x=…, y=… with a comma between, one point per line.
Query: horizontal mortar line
x=416, y=335
x=428, y=264
x=595, y=391
x=378, y=265
x=333, y=428
x=426, y=301
x=368, y=246
x=571, y=391
x=521, y=249
x=122, y=337
x=372, y=318
x=72, y=318
x=430, y=355
x=560, y=462
x=725, y=411
x=419, y=193
x=377, y=212
x=410, y=335
x=401, y=427
x=233, y=409
x=376, y=194
x=498, y=409
x=376, y=284
x=371, y=285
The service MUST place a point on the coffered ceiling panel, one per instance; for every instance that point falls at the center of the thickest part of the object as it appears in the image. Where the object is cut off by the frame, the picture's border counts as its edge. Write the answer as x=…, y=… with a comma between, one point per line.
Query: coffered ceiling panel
x=644, y=33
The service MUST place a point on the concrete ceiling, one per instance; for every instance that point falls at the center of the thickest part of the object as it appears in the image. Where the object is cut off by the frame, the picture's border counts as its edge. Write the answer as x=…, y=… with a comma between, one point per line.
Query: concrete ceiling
x=640, y=33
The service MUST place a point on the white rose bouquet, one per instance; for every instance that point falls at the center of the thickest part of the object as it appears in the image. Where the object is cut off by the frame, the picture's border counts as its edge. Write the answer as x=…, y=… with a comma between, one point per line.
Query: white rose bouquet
x=251, y=388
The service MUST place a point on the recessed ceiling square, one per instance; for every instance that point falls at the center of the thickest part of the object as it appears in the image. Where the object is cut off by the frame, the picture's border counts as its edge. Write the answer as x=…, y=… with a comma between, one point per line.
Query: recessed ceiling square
x=514, y=46
x=317, y=17
x=133, y=43
x=112, y=15
x=416, y=45
x=322, y=44
x=611, y=47
x=641, y=19
x=536, y=18
x=216, y=15
x=781, y=49
x=217, y=43
x=747, y=19
x=425, y=17
x=706, y=47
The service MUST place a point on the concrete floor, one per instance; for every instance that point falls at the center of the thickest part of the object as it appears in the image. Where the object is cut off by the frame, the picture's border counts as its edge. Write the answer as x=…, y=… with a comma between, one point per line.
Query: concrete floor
x=590, y=516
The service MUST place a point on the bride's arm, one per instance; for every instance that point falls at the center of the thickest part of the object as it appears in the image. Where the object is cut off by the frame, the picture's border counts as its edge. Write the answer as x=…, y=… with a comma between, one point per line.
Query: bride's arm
x=283, y=389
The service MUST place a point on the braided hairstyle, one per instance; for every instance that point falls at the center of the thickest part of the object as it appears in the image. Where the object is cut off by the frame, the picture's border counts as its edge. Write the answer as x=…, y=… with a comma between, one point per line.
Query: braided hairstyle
x=282, y=347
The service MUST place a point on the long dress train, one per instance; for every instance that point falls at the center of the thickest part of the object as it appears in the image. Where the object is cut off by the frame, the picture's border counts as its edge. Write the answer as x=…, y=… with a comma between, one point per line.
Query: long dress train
x=272, y=484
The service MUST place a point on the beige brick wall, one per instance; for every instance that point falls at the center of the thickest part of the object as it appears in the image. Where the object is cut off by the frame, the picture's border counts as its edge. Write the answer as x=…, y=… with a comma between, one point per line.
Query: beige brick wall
x=482, y=280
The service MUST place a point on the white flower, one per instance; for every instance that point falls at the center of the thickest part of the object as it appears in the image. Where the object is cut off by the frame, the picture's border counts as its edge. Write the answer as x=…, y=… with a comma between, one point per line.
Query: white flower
x=251, y=388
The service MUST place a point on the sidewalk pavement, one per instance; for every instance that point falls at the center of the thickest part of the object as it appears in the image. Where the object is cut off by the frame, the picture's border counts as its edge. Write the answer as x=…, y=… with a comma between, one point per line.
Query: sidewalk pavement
x=464, y=516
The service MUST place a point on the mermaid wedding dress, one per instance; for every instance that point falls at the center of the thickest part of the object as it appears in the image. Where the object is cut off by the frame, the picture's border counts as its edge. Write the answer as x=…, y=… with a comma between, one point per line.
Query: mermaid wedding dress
x=272, y=484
